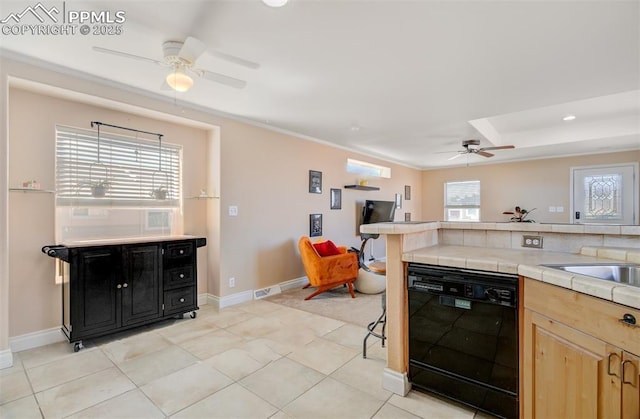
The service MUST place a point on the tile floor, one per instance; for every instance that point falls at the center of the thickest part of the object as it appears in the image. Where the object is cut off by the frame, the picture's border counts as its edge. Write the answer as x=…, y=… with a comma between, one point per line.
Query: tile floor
x=253, y=360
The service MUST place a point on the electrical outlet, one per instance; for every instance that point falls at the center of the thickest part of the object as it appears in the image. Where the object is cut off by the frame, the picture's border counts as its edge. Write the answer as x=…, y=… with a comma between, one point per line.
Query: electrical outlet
x=532, y=241
x=233, y=210
x=232, y=282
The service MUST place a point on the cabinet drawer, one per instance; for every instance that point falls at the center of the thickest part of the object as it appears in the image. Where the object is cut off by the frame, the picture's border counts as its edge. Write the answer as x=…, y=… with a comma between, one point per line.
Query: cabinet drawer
x=179, y=277
x=179, y=300
x=179, y=250
x=591, y=315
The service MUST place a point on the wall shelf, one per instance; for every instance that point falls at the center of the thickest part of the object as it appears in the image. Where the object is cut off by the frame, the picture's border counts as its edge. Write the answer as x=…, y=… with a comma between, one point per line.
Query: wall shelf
x=30, y=190
x=362, y=188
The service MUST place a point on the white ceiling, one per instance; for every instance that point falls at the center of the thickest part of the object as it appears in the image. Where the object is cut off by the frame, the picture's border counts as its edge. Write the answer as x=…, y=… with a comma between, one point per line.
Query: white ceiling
x=406, y=81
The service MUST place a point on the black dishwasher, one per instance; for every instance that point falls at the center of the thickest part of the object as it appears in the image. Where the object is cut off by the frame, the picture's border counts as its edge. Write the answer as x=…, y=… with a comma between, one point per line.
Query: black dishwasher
x=463, y=336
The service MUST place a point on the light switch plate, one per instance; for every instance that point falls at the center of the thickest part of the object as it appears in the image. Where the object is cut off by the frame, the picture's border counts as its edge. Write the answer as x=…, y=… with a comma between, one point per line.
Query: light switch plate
x=233, y=210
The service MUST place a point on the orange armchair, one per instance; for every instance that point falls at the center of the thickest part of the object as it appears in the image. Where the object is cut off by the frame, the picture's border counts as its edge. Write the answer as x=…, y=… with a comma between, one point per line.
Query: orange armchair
x=328, y=272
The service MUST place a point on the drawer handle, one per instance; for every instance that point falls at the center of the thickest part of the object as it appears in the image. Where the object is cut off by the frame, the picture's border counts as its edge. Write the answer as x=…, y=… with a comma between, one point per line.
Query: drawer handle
x=182, y=300
x=629, y=320
x=181, y=276
x=611, y=355
x=633, y=375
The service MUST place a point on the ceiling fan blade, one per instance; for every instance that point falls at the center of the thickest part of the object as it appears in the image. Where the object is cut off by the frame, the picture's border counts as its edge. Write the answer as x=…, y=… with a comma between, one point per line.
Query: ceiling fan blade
x=460, y=153
x=127, y=55
x=234, y=59
x=484, y=153
x=221, y=78
x=502, y=147
x=192, y=49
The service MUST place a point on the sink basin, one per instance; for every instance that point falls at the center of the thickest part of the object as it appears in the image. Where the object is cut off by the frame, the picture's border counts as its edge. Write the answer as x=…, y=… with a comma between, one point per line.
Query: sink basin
x=624, y=273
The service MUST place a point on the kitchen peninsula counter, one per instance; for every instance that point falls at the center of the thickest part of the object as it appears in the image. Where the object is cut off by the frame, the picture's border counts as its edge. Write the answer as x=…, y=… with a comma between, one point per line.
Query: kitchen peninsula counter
x=496, y=247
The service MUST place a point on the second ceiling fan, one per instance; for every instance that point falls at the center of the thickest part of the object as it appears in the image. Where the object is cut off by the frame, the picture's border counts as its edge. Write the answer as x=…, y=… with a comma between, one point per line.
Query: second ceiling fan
x=471, y=147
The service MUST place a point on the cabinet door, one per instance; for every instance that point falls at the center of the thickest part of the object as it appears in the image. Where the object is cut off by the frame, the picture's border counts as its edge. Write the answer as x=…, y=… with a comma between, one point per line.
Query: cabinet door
x=140, y=283
x=94, y=294
x=630, y=386
x=568, y=374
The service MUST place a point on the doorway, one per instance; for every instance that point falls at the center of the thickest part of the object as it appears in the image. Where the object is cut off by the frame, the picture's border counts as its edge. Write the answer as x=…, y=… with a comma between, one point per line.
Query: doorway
x=605, y=194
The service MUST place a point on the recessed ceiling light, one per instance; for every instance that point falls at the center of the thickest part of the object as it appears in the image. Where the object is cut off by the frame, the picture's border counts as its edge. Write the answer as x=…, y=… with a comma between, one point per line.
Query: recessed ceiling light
x=275, y=3
x=569, y=118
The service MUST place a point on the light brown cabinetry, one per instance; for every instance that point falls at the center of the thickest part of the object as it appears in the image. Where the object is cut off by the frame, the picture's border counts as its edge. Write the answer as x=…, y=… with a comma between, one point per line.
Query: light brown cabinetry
x=578, y=359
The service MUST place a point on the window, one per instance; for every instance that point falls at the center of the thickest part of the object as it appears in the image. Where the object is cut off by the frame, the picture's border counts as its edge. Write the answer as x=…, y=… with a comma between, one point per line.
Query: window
x=106, y=186
x=367, y=169
x=462, y=201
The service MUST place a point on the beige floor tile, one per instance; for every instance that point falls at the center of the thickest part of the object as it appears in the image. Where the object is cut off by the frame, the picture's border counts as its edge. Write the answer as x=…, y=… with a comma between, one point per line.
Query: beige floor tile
x=146, y=368
x=288, y=315
x=281, y=381
x=235, y=363
x=323, y=355
x=365, y=375
x=186, y=329
x=333, y=399
x=256, y=327
x=231, y=402
x=295, y=335
x=350, y=335
x=45, y=354
x=226, y=317
x=82, y=393
x=267, y=350
x=427, y=406
x=68, y=369
x=213, y=343
x=176, y=391
x=320, y=325
x=259, y=307
x=134, y=346
x=280, y=415
x=25, y=408
x=14, y=386
x=389, y=411
x=133, y=404
x=17, y=365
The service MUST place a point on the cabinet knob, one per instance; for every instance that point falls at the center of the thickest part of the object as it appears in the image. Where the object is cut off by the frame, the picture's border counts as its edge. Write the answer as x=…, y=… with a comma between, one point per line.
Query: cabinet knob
x=118, y=286
x=181, y=276
x=182, y=300
x=125, y=285
x=181, y=252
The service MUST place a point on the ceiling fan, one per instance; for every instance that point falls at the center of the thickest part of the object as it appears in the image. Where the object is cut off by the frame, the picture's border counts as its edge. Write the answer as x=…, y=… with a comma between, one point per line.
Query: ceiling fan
x=470, y=147
x=181, y=57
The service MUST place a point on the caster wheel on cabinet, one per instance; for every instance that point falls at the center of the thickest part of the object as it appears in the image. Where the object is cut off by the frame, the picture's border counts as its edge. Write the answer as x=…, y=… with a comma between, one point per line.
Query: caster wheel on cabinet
x=77, y=346
x=193, y=314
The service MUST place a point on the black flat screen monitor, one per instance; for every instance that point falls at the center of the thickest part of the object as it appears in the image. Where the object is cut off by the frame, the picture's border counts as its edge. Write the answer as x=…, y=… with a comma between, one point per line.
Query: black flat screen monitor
x=378, y=212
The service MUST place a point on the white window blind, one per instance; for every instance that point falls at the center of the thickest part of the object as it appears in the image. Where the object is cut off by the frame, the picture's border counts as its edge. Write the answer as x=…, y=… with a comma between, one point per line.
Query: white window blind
x=462, y=201
x=135, y=172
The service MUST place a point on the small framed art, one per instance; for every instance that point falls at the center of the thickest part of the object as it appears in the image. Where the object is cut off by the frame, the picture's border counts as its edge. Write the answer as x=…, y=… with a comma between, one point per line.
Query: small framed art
x=336, y=199
x=315, y=225
x=315, y=181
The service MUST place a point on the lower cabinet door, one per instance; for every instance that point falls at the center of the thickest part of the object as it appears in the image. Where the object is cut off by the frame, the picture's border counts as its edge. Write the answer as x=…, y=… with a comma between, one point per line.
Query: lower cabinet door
x=630, y=386
x=140, y=284
x=179, y=300
x=94, y=292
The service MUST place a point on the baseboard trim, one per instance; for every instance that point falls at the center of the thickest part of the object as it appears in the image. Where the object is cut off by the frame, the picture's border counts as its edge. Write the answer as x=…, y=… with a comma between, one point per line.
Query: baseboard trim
x=36, y=339
x=396, y=382
x=245, y=296
x=6, y=359
x=294, y=283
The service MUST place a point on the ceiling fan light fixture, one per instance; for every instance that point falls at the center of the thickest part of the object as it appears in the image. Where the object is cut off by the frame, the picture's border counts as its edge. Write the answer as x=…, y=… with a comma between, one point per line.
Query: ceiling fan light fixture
x=275, y=3
x=179, y=80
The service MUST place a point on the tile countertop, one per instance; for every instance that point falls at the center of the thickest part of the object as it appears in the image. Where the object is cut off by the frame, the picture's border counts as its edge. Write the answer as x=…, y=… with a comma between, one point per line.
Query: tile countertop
x=528, y=263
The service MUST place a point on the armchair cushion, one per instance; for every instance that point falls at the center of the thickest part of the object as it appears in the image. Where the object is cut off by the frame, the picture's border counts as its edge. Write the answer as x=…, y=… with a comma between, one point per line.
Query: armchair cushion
x=326, y=248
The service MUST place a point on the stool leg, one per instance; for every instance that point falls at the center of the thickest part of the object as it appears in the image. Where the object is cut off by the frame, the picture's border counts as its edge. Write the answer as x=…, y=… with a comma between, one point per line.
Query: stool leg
x=371, y=328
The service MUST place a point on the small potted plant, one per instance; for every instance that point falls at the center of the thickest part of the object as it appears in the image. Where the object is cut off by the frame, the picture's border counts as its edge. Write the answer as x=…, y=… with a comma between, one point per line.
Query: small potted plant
x=99, y=188
x=159, y=193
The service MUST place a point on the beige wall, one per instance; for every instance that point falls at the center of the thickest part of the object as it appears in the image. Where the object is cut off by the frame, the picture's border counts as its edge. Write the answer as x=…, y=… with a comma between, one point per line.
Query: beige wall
x=529, y=184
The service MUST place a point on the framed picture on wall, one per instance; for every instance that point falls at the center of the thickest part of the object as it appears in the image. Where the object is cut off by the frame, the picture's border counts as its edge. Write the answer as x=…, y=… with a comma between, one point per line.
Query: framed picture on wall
x=315, y=181
x=315, y=225
x=336, y=199
x=407, y=192
x=398, y=200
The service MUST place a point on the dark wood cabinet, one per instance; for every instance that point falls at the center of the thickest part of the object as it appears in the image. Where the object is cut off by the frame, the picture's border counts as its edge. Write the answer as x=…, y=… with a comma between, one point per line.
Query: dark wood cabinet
x=115, y=287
